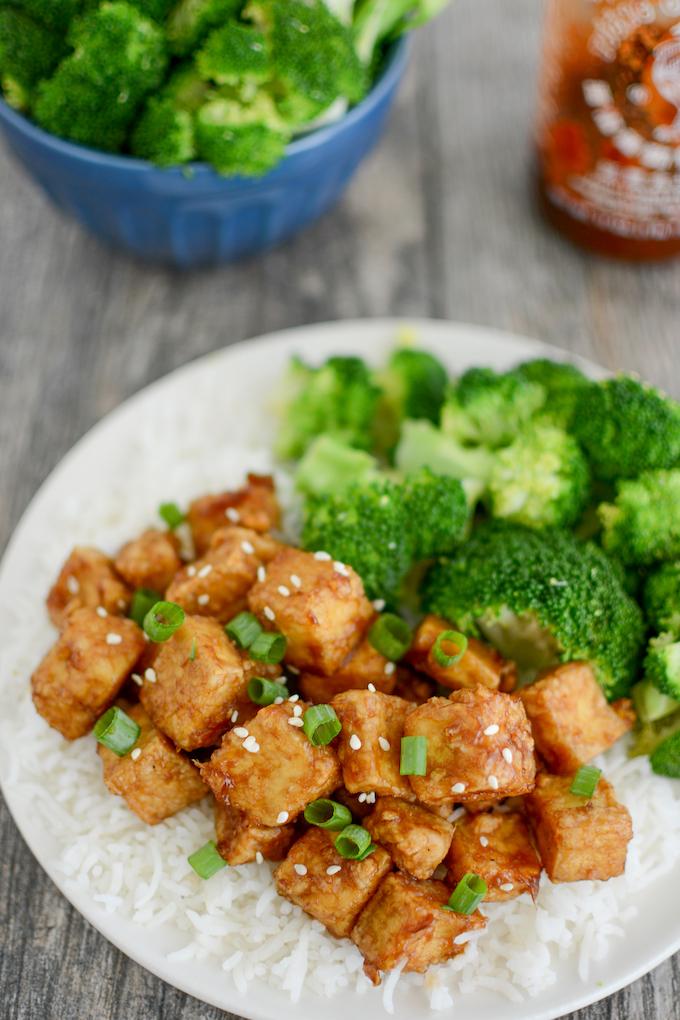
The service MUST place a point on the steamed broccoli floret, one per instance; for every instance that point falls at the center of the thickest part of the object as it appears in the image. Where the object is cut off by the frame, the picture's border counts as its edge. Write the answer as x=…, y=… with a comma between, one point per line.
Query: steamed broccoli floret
x=414, y=386
x=377, y=21
x=330, y=466
x=157, y=10
x=662, y=665
x=665, y=758
x=627, y=427
x=661, y=599
x=438, y=513
x=55, y=16
x=650, y=704
x=164, y=134
x=240, y=139
x=234, y=54
x=541, y=479
x=186, y=88
x=338, y=399
x=541, y=597
x=423, y=445
x=490, y=408
x=561, y=382
x=642, y=525
x=368, y=527
x=28, y=53
x=191, y=20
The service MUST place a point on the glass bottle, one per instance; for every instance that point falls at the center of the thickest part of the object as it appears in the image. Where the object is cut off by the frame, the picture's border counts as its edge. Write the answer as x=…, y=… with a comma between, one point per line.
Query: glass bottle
x=608, y=133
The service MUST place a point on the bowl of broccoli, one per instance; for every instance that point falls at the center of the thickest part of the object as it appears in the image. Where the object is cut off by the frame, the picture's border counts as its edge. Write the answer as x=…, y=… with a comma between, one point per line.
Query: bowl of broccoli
x=194, y=132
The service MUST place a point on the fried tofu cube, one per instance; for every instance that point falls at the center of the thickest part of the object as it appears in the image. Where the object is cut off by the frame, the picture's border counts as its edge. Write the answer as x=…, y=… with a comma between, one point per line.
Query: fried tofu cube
x=369, y=744
x=150, y=561
x=86, y=580
x=570, y=717
x=319, y=606
x=326, y=885
x=82, y=674
x=159, y=781
x=196, y=682
x=217, y=584
x=239, y=840
x=254, y=506
x=405, y=921
x=479, y=746
x=271, y=770
x=363, y=666
x=496, y=846
x=578, y=838
x=481, y=665
x=416, y=839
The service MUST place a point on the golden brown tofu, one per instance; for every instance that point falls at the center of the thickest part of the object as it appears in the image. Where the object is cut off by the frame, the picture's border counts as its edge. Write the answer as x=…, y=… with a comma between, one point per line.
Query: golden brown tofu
x=480, y=666
x=270, y=769
x=369, y=745
x=326, y=885
x=197, y=681
x=254, y=506
x=496, y=846
x=150, y=561
x=319, y=606
x=159, y=781
x=416, y=839
x=217, y=584
x=240, y=840
x=578, y=838
x=479, y=745
x=570, y=717
x=82, y=674
x=86, y=580
x=405, y=921
x=363, y=666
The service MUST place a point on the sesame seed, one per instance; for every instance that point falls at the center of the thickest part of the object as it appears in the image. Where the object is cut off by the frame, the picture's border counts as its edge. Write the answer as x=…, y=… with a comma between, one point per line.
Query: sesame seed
x=301, y=869
x=240, y=731
x=251, y=744
x=384, y=743
x=204, y=571
x=203, y=599
x=114, y=639
x=232, y=514
x=278, y=701
x=297, y=710
x=362, y=798
x=340, y=568
x=295, y=581
x=137, y=679
x=371, y=688
x=354, y=742
x=492, y=730
x=379, y=605
x=292, y=669
x=191, y=570
x=72, y=584
x=101, y=612
x=370, y=798
x=269, y=613
x=458, y=788
x=248, y=548
x=282, y=818
x=150, y=675
x=136, y=753
x=389, y=668
x=234, y=715
x=334, y=869
x=322, y=556
x=295, y=721
x=483, y=841
x=493, y=782
x=258, y=857
x=507, y=754
x=507, y=887
x=282, y=590
x=294, y=698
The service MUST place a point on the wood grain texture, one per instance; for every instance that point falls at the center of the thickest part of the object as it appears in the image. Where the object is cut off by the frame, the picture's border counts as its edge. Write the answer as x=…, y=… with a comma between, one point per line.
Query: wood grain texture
x=439, y=222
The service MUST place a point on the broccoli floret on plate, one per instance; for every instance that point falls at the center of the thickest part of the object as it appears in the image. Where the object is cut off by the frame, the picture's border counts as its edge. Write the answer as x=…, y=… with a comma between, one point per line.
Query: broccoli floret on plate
x=541, y=597
x=414, y=387
x=642, y=525
x=650, y=704
x=541, y=479
x=661, y=598
x=330, y=466
x=55, y=15
x=241, y=139
x=164, y=134
x=561, y=382
x=157, y=10
x=190, y=21
x=438, y=513
x=423, y=445
x=338, y=399
x=626, y=427
x=235, y=54
x=662, y=665
x=28, y=53
x=490, y=408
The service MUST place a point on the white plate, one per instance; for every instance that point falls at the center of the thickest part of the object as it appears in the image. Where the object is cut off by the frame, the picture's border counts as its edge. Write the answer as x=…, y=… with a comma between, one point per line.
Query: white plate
x=237, y=382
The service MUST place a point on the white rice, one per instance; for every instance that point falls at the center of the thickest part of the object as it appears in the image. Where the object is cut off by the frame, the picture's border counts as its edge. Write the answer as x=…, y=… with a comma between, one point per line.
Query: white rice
x=236, y=919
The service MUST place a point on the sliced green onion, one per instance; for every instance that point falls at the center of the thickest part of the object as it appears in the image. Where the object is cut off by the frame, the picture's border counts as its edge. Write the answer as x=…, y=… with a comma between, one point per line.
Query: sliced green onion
x=413, y=756
x=321, y=724
x=206, y=862
x=192, y=653
x=585, y=781
x=328, y=814
x=143, y=600
x=172, y=515
x=268, y=647
x=449, y=637
x=117, y=731
x=467, y=895
x=162, y=620
x=391, y=636
x=354, y=843
x=265, y=692
x=243, y=629
x=367, y=852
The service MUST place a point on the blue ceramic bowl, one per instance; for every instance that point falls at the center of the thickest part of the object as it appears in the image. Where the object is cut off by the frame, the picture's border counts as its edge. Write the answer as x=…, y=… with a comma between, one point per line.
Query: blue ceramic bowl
x=202, y=218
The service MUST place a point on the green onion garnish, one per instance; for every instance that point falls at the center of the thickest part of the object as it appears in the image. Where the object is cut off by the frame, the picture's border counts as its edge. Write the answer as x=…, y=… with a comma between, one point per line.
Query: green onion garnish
x=467, y=895
x=192, y=652
x=268, y=647
x=243, y=629
x=413, y=756
x=265, y=692
x=391, y=636
x=172, y=515
x=354, y=843
x=328, y=814
x=449, y=637
x=162, y=620
x=117, y=731
x=206, y=862
x=321, y=724
x=585, y=781
x=143, y=600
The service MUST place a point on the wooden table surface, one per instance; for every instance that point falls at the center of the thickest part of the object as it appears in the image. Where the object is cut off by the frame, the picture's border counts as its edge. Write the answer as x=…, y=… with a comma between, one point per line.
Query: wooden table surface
x=439, y=222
